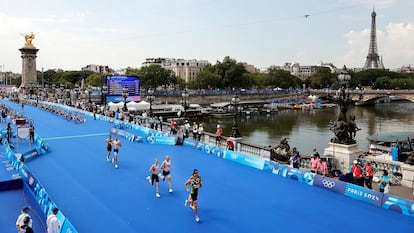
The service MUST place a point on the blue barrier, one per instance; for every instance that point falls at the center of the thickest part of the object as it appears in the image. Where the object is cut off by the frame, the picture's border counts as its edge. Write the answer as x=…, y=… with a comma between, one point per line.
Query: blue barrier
x=373, y=197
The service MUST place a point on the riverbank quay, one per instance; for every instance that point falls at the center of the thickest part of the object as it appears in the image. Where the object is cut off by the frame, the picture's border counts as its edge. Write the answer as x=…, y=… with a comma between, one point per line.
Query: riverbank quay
x=85, y=179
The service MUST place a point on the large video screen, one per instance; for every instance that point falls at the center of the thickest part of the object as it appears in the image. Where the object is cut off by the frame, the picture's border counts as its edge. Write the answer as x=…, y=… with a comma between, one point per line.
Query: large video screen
x=115, y=85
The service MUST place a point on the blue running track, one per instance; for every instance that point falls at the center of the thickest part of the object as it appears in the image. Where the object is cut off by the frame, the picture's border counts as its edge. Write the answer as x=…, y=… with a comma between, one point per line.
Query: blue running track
x=96, y=197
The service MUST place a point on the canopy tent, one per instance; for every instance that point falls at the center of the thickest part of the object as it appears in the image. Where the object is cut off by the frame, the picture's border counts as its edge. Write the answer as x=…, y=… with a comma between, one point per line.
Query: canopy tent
x=140, y=106
x=115, y=106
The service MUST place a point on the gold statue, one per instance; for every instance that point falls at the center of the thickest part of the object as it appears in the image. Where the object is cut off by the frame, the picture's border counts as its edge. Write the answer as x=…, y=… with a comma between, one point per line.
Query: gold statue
x=29, y=38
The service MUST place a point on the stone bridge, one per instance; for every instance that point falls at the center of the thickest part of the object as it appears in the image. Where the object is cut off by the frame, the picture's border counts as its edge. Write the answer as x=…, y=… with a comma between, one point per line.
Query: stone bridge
x=366, y=97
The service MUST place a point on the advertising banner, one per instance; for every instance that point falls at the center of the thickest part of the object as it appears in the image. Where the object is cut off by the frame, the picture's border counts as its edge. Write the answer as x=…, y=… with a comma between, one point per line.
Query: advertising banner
x=363, y=194
x=293, y=173
x=190, y=143
x=244, y=159
x=398, y=204
x=329, y=184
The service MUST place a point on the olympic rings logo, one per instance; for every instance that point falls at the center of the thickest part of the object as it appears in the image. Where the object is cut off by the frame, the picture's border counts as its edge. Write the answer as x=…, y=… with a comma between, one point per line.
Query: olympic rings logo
x=328, y=184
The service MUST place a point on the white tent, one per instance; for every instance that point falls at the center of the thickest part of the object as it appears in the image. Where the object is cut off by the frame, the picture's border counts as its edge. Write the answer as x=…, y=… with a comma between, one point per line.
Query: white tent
x=143, y=105
x=115, y=106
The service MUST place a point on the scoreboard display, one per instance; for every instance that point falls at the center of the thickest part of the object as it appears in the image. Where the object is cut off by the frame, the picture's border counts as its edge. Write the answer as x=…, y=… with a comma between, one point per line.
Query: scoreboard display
x=115, y=85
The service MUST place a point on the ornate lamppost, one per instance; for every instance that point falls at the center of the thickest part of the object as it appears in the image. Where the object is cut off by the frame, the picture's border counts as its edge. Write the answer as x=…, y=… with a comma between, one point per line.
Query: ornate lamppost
x=150, y=98
x=125, y=94
x=184, y=101
x=344, y=128
x=89, y=93
x=235, y=129
x=104, y=93
x=61, y=89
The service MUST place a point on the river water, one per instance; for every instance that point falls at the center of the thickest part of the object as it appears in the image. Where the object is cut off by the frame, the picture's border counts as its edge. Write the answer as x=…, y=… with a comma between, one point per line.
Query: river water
x=306, y=129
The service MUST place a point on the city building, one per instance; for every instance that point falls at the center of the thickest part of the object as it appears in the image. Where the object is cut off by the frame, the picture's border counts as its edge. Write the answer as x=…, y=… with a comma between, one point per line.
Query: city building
x=406, y=69
x=185, y=69
x=302, y=72
x=306, y=71
x=98, y=69
x=250, y=68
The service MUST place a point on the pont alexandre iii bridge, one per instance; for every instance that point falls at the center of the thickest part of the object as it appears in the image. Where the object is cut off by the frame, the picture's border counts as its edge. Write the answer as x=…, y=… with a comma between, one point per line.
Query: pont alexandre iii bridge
x=369, y=97
x=360, y=97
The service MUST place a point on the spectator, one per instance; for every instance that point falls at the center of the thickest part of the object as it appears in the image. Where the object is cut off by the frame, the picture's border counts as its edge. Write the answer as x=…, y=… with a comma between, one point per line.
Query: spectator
x=172, y=125
x=26, y=228
x=230, y=144
x=315, y=152
x=357, y=173
x=295, y=158
x=200, y=132
x=9, y=132
x=323, y=167
x=384, y=182
x=195, y=130
x=187, y=128
x=314, y=162
x=219, y=133
x=22, y=216
x=52, y=222
x=31, y=133
x=369, y=171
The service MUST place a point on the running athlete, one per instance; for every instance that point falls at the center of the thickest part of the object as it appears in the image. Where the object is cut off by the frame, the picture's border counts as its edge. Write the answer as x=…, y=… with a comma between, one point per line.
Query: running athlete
x=154, y=169
x=166, y=167
x=116, y=144
x=108, y=143
x=192, y=185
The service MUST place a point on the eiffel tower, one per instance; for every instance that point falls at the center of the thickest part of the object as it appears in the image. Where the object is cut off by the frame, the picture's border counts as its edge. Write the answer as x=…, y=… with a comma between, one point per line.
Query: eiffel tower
x=373, y=61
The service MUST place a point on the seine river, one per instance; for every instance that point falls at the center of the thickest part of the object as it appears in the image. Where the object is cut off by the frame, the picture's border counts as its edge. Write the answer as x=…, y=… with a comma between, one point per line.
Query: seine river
x=306, y=129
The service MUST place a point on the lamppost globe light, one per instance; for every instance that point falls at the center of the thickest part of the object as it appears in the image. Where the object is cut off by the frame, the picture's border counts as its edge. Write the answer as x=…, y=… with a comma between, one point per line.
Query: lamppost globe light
x=125, y=94
x=235, y=100
x=104, y=93
x=184, y=96
x=150, y=98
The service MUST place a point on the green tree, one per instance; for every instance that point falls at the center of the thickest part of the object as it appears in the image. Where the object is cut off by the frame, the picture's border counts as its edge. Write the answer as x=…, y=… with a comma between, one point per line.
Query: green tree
x=93, y=80
x=323, y=77
x=281, y=78
x=207, y=79
x=153, y=76
x=231, y=72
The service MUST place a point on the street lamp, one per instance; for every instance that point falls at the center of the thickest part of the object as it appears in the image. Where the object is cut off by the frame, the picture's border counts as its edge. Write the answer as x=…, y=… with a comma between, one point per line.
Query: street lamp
x=150, y=98
x=343, y=128
x=184, y=100
x=61, y=93
x=125, y=94
x=104, y=93
x=235, y=129
x=89, y=93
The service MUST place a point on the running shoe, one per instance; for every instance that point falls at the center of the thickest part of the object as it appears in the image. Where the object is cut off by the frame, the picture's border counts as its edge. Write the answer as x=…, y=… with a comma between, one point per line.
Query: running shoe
x=107, y=159
x=113, y=160
x=170, y=190
x=149, y=179
x=186, y=203
x=116, y=165
x=197, y=219
x=158, y=195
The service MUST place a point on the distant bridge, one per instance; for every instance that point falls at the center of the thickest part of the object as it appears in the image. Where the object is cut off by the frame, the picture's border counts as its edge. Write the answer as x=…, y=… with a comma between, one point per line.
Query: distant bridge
x=366, y=97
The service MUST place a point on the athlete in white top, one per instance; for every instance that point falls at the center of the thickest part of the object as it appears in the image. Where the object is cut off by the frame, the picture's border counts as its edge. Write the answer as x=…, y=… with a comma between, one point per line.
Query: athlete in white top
x=166, y=167
x=116, y=144
x=154, y=169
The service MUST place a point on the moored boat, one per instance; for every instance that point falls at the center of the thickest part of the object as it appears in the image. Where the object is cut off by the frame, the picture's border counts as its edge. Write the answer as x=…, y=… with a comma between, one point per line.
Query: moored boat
x=395, y=146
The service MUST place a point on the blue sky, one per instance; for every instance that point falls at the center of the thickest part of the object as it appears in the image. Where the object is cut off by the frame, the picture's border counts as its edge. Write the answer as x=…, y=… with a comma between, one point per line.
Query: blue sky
x=73, y=34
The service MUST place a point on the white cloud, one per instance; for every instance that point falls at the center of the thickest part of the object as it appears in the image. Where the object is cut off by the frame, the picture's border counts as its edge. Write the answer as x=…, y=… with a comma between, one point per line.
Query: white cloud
x=395, y=45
